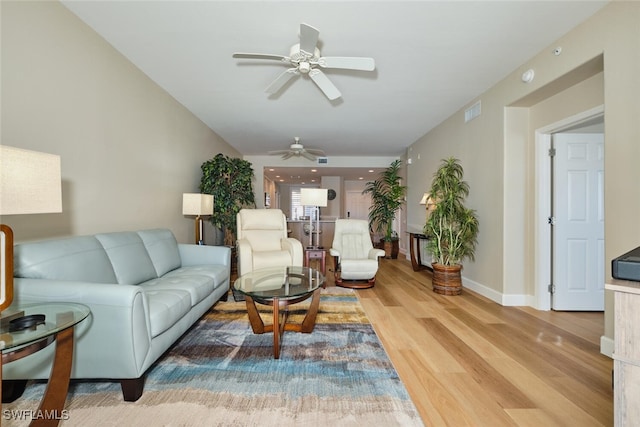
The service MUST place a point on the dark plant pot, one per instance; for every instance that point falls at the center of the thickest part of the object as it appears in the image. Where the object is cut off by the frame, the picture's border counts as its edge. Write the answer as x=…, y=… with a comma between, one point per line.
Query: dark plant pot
x=447, y=279
x=391, y=249
x=387, y=249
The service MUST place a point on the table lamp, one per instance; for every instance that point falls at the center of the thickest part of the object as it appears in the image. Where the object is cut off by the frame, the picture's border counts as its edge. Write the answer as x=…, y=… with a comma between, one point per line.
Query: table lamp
x=315, y=197
x=197, y=204
x=30, y=183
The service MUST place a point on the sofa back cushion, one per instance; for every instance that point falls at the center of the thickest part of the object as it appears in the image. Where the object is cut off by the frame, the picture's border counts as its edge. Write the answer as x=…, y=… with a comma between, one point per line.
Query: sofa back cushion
x=162, y=247
x=263, y=228
x=77, y=258
x=129, y=258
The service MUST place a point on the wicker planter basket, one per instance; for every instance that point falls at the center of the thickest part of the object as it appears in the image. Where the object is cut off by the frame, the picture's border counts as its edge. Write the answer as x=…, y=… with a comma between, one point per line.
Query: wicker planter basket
x=447, y=280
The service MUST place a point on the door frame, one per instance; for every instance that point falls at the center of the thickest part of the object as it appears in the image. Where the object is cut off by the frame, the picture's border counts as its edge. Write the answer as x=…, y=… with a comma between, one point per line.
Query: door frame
x=542, y=236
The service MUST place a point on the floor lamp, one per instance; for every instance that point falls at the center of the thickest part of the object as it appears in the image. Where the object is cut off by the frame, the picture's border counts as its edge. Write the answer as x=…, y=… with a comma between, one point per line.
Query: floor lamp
x=30, y=183
x=197, y=204
x=316, y=197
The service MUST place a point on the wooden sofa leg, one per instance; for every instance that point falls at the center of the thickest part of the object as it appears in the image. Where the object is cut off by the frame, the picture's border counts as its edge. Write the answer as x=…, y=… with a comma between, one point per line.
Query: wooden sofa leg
x=132, y=388
x=12, y=389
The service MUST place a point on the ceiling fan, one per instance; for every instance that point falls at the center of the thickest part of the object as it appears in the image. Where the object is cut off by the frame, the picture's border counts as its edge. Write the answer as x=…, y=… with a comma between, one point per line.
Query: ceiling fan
x=304, y=57
x=297, y=149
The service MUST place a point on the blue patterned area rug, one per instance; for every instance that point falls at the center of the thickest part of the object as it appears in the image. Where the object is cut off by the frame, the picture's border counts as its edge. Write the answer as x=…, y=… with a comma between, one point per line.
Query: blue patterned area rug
x=221, y=374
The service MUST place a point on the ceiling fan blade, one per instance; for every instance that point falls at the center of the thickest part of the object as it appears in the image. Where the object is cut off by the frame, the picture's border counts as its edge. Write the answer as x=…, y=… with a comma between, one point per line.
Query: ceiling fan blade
x=282, y=80
x=308, y=38
x=273, y=153
x=306, y=155
x=315, y=152
x=286, y=156
x=324, y=84
x=260, y=56
x=347, y=63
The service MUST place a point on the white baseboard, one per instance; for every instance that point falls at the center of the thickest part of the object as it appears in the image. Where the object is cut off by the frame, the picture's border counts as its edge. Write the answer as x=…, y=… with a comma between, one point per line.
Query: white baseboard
x=514, y=300
x=607, y=346
x=493, y=295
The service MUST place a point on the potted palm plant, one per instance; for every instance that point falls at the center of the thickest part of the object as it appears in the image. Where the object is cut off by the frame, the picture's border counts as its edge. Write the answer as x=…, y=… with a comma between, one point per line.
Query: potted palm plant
x=451, y=228
x=387, y=196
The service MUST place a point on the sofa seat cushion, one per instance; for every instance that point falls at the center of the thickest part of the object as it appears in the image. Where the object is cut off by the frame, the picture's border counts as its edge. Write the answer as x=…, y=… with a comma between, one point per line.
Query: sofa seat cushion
x=219, y=273
x=199, y=286
x=271, y=258
x=358, y=269
x=166, y=308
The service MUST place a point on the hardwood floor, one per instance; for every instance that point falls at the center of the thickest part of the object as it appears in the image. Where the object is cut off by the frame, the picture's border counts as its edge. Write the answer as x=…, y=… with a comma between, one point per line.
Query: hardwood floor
x=467, y=361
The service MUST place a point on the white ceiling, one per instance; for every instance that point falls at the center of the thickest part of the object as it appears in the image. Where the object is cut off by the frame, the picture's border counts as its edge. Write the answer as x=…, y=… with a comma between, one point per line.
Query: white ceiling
x=432, y=58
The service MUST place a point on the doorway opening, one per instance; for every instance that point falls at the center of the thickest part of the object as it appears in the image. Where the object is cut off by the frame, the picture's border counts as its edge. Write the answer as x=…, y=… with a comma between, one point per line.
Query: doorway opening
x=546, y=256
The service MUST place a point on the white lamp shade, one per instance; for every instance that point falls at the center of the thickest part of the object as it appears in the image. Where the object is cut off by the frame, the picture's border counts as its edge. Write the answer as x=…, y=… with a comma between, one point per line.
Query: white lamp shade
x=313, y=196
x=425, y=199
x=30, y=182
x=197, y=204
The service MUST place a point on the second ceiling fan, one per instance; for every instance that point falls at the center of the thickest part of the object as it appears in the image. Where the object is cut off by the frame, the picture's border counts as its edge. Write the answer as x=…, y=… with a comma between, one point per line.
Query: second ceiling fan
x=304, y=58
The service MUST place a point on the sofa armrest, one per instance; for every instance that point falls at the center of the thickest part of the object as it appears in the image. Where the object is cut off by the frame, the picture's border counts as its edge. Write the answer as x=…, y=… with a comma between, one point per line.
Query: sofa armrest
x=375, y=253
x=203, y=255
x=294, y=247
x=119, y=312
x=245, y=256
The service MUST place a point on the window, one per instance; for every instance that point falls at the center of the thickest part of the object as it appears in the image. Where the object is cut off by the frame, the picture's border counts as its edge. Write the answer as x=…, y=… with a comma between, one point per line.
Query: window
x=297, y=210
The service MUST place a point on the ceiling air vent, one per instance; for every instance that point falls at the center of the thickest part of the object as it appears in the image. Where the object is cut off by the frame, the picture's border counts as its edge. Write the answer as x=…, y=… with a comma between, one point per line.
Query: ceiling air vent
x=472, y=112
x=323, y=160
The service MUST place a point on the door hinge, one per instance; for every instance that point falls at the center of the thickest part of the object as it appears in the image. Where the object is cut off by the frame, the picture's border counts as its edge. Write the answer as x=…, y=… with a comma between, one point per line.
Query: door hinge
x=552, y=152
x=551, y=220
x=552, y=289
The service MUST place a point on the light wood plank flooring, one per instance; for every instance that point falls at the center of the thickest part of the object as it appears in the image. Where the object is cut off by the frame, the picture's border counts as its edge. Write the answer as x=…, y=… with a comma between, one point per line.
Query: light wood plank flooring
x=467, y=361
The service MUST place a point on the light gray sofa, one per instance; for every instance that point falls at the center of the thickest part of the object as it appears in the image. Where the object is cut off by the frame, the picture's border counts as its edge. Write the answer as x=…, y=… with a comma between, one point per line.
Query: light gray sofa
x=144, y=291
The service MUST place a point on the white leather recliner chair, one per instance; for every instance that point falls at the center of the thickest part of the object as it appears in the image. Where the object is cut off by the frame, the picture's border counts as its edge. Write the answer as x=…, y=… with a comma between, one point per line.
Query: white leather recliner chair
x=355, y=258
x=263, y=241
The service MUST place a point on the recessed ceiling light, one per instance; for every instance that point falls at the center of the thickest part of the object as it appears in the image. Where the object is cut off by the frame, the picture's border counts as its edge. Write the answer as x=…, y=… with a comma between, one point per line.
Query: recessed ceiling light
x=370, y=170
x=314, y=170
x=271, y=170
x=360, y=178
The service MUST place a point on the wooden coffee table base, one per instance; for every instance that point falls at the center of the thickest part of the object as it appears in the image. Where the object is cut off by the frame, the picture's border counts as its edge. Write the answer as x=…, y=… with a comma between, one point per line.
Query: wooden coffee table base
x=280, y=324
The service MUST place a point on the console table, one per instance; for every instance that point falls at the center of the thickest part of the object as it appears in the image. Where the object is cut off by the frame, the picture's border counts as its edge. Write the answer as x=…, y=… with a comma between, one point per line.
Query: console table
x=414, y=250
x=626, y=354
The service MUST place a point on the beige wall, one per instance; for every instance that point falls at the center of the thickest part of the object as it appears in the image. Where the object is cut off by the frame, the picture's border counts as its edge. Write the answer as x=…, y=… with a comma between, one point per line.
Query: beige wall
x=498, y=162
x=128, y=149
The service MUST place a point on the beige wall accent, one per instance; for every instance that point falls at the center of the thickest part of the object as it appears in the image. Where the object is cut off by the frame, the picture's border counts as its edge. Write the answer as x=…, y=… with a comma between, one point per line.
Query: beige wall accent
x=128, y=149
x=499, y=168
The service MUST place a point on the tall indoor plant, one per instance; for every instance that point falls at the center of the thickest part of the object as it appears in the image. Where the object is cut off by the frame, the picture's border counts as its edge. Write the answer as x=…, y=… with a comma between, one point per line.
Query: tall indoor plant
x=230, y=181
x=451, y=228
x=387, y=196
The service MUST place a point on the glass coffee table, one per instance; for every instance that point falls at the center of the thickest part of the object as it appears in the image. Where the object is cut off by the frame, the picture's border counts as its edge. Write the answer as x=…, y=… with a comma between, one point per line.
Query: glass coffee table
x=280, y=287
x=28, y=328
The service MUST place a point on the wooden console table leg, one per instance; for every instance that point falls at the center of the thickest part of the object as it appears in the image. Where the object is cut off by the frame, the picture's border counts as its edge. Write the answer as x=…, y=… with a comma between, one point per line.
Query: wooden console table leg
x=56, y=393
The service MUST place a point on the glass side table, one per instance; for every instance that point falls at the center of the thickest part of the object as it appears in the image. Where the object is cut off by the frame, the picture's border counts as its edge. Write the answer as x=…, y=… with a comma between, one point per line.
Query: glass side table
x=28, y=328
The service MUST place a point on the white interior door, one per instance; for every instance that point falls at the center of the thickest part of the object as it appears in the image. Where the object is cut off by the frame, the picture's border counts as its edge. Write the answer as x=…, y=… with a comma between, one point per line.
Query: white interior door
x=357, y=205
x=578, y=231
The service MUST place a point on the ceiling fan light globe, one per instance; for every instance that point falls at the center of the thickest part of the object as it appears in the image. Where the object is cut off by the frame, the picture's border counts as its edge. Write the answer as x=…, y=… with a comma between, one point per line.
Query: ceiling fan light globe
x=304, y=67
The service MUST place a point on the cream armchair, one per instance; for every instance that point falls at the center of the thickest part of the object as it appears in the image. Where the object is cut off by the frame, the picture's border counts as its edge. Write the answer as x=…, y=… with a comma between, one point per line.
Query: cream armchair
x=263, y=241
x=355, y=258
